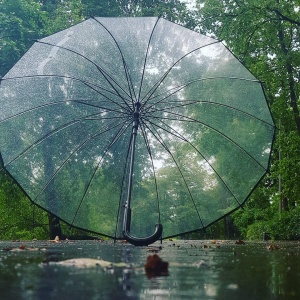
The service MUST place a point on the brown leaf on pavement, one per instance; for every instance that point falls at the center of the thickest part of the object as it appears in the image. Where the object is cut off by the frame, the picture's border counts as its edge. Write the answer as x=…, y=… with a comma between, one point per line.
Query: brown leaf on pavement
x=240, y=242
x=273, y=247
x=155, y=266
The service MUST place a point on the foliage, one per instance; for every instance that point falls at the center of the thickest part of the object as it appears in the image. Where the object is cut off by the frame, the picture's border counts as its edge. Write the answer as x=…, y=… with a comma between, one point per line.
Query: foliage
x=62, y=15
x=284, y=226
x=19, y=219
x=21, y=22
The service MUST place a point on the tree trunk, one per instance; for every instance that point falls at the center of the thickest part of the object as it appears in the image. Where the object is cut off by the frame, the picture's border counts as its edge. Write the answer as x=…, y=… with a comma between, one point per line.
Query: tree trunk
x=285, y=204
x=290, y=76
x=54, y=227
x=51, y=196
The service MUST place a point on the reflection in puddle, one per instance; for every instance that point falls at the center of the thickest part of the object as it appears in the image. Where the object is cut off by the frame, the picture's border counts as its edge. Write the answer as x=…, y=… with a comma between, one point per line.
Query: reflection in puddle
x=210, y=290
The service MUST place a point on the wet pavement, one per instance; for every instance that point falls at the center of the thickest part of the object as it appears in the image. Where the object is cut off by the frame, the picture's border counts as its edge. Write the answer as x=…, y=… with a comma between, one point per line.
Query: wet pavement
x=108, y=270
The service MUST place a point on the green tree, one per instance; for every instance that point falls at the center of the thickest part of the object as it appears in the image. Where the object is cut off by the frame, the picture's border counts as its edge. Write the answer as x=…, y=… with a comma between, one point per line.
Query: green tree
x=21, y=22
x=173, y=10
x=19, y=219
x=265, y=37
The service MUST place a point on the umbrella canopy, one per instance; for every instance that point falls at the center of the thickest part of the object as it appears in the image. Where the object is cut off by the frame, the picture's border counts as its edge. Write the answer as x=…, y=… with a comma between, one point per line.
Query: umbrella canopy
x=117, y=124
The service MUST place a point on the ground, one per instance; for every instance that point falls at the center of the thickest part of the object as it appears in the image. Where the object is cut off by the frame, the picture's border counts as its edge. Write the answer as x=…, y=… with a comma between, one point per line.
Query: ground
x=191, y=270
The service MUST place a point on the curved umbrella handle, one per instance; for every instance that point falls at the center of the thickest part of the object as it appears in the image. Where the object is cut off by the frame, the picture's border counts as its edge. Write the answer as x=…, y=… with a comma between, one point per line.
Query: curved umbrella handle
x=139, y=241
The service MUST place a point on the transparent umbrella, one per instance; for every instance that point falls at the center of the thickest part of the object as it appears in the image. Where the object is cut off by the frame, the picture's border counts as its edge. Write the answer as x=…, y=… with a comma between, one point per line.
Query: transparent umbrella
x=117, y=124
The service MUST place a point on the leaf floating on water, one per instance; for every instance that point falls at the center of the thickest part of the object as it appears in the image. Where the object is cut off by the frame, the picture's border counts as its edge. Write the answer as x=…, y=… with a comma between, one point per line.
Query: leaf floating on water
x=56, y=240
x=13, y=249
x=273, y=247
x=200, y=264
x=88, y=263
x=232, y=286
x=155, y=266
x=154, y=249
x=23, y=248
x=240, y=242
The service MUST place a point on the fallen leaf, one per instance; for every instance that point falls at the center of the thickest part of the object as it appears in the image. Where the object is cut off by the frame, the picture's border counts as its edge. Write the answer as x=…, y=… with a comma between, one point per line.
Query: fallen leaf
x=273, y=247
x=33, y=249
x=200, y=264
x=24, y=248
x=240, y=242
x=154, y=250
x=15, y=249
x=88, y=263
x=56, y=240
x=155, y=266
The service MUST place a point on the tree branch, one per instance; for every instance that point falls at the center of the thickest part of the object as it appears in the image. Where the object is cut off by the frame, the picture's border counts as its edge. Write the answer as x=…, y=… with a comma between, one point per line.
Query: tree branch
x=285, y=18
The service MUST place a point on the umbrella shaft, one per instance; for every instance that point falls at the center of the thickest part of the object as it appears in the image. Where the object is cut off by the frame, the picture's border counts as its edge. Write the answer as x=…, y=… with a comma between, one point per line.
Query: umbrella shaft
x=135, y=125
x=131, y=165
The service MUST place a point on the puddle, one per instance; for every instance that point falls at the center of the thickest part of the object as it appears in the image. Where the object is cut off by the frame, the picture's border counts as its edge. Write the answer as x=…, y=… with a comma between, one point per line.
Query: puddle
x=196, y=270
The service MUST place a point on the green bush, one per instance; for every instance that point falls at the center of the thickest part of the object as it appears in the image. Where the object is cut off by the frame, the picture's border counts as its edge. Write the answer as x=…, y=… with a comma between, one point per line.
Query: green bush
x=256, y=230
x=284, y=226
x=287, y=225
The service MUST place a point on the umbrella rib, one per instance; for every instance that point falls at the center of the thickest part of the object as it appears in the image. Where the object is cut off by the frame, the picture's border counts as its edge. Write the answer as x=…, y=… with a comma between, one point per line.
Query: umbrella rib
x=44, y=137
x=109, y=145
x=146, y=56
x=125, y=108
x=216, y=130
x=203, y=101
x=160, y=140
x=88, y=84
x=128, y=78
x=88, y=139
x=192, y=102
x=178, y=135
x=107, y=77
x=180, y=87
x=152, y=165
x=85, y=102
x=159, y=82
x=61, y=102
